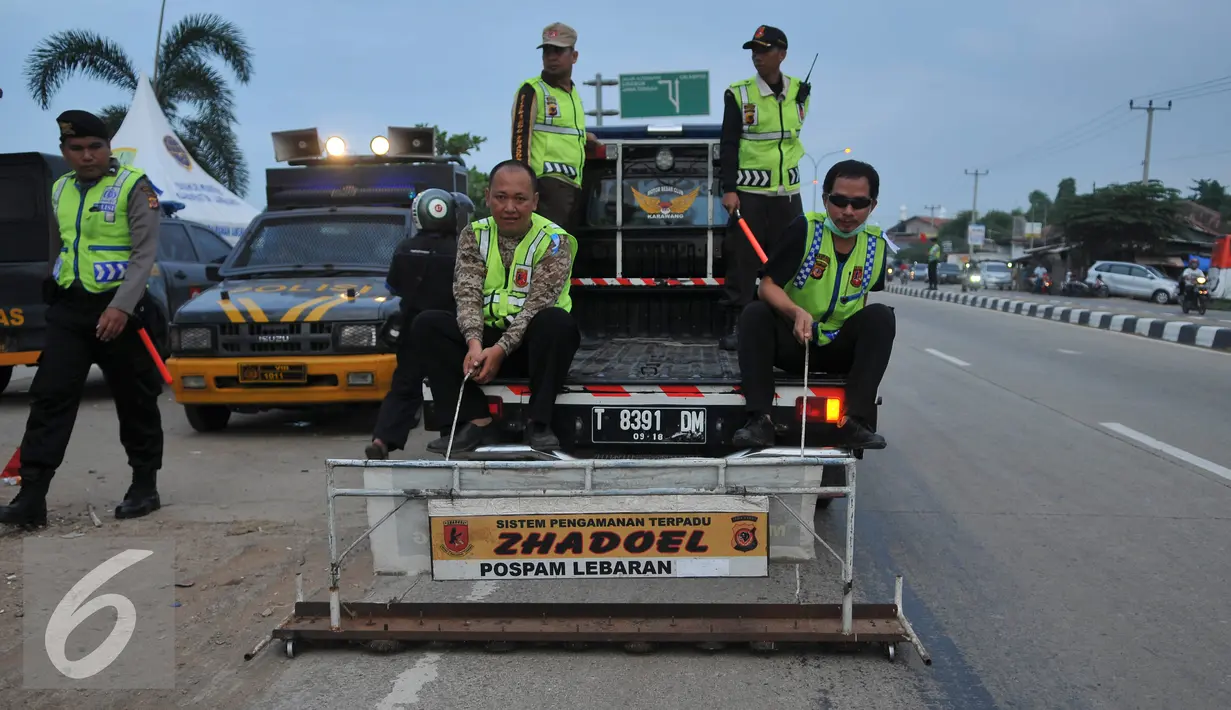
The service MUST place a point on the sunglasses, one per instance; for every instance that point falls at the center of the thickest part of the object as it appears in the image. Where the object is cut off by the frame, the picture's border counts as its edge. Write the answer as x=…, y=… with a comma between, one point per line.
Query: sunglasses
x=858, y=203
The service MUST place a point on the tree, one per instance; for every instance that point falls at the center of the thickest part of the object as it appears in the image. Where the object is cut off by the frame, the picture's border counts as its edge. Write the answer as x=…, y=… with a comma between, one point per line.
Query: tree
x=462, y=145
x=1066, y=191
x=1040, y=205
x=1212, y=194
x=1123, y=220
x=183, y=78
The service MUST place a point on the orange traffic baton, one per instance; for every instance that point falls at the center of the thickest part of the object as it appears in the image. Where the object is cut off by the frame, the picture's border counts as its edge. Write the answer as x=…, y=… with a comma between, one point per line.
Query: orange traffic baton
x=149, y=346
x=756, y=246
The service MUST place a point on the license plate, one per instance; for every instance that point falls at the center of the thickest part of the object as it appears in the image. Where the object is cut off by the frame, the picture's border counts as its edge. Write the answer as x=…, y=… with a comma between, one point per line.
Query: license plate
x=653, y=425
x=272, y=374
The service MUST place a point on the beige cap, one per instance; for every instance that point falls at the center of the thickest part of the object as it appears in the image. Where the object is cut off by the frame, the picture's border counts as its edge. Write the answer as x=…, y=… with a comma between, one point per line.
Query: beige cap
x=558, y=34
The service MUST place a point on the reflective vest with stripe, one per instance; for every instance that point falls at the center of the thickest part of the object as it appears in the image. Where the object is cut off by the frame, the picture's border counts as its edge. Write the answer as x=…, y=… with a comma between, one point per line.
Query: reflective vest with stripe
x=769, y=144
x=830, y=291
x=934, y=252
x=558, y=137
x=94, y=230
x=504, y=291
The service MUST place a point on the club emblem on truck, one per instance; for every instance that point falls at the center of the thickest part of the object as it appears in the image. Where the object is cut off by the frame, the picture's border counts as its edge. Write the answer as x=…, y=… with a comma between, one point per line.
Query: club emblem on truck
x=654, y=205
x=744, y=533
x=456, y=538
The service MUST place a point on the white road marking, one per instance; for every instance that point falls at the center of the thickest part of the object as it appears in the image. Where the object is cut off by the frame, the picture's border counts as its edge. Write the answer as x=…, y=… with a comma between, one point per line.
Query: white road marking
x=1168, y=449
x=947, y=358
x=406, y=686
x=1068, y=352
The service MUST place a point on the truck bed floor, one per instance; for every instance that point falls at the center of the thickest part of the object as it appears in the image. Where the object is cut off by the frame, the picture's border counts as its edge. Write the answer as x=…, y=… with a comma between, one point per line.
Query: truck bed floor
x=631, y=360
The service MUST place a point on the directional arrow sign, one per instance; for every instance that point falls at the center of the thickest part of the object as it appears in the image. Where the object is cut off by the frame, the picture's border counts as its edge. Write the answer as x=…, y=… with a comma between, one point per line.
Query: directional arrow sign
x=665, y=94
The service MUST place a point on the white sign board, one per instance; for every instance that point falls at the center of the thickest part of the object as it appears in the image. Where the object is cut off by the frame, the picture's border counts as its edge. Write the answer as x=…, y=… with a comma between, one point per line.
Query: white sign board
x=600, y=537
x=975, y=234
x=1034, y=230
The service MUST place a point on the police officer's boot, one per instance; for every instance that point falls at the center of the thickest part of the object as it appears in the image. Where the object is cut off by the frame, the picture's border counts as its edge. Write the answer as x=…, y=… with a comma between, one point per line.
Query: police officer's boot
x=29, y=507
x=142, y=496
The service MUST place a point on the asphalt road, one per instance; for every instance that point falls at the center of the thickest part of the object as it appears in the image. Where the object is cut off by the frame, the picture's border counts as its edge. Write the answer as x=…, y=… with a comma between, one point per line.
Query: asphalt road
x=1129, y=306
x=1052, y=558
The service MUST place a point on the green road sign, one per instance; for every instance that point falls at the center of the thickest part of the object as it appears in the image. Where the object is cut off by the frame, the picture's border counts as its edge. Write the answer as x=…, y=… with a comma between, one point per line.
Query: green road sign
x=665, y=94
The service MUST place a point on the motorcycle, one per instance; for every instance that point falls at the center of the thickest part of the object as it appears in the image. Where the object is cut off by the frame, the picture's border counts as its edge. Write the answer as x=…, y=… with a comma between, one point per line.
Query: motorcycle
x=1074, y=287
x=1196, y=296
x=1042, y=285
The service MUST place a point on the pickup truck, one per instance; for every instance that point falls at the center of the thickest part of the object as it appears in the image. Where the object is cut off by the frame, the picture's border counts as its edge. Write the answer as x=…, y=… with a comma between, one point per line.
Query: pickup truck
x=650, y=380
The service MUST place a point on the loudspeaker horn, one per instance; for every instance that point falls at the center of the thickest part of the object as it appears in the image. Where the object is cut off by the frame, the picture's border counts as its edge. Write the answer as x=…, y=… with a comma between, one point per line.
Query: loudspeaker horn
x=412, y=142
x=294, y=145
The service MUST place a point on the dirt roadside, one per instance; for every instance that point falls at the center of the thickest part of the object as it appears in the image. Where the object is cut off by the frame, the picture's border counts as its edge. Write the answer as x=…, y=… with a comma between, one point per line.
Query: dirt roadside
x=246, y=509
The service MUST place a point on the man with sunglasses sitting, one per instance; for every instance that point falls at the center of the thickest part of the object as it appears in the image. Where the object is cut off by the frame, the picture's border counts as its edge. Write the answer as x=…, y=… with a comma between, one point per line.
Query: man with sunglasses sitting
x=813, y=293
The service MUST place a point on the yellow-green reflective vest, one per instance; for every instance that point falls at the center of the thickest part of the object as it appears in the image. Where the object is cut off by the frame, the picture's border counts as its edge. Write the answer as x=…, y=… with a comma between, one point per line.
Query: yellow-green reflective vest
x=504, y=292
x=558, y=138
x=830, y=291
x=934, y=253
x=94, y=230
x=769, y=144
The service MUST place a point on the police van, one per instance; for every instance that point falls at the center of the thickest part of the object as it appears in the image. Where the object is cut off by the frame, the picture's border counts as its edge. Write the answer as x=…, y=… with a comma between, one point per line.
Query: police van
x=302, y=316
x=185, y=249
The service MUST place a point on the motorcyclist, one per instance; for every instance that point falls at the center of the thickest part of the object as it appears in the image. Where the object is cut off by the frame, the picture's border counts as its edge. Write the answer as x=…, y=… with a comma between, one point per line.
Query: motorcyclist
x=1188, y=279
x=421, y=274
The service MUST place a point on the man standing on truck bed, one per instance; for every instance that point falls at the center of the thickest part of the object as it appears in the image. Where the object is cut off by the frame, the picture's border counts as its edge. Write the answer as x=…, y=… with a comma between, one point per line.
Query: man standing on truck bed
x=759, y=162
x=549, y=127
x=105, y=227
x=511, y=286
x=814, y=290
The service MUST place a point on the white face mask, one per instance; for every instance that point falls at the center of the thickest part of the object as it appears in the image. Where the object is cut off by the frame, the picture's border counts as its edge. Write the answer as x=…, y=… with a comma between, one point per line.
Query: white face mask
x=829, y=224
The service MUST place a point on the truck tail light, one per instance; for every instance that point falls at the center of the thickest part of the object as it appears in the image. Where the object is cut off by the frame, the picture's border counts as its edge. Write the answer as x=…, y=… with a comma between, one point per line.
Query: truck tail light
x=495, y=405
x=825, y=407
x=599, y=153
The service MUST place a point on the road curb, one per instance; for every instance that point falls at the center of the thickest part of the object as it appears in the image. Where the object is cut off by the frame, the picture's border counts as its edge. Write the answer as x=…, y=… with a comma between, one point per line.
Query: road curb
x=1173, y=331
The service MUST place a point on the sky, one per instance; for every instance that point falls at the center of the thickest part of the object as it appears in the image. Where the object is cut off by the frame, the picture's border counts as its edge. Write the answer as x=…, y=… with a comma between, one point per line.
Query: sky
x=1031, y=91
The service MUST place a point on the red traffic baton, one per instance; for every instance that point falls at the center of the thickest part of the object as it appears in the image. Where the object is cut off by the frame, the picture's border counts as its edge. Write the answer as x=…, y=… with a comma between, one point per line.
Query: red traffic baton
x=153, y=351
x=756, y=246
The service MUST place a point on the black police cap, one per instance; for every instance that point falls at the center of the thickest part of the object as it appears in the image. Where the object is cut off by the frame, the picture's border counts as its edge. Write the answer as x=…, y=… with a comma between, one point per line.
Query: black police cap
x=82, y=124
x=765, y=37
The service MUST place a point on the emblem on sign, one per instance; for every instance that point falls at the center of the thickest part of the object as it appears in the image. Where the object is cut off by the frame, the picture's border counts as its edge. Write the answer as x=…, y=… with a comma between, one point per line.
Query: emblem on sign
x=521, y=276
x=176, y=150
x=654, y=205
x=857, y=277
x=818, y=269
x=744, y=532
x=457, y=538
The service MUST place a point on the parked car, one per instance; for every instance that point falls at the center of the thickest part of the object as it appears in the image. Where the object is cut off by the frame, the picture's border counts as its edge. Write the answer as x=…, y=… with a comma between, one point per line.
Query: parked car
x=1129, y=280
x=947, y=273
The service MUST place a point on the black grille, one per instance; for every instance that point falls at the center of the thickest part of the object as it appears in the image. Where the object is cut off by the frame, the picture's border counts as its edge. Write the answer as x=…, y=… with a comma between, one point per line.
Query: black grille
x=275, y=338
x=320, y=239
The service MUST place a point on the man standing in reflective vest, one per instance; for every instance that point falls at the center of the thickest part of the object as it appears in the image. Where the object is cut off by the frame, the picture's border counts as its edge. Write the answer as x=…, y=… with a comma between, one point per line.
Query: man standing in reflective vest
x=511, y=287
x=813, y=294
x=105, y=234
x=934, y=256
x=759, y=162
x=549, y=128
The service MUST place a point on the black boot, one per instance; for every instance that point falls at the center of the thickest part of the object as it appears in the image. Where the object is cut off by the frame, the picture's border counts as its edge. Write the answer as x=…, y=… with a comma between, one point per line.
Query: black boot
x=730, y=341
x=541, y=437
x=757, y=433
x=860, y=436
x=141, y=498
x=470, y=436
x=377, y=450
x=29, y=506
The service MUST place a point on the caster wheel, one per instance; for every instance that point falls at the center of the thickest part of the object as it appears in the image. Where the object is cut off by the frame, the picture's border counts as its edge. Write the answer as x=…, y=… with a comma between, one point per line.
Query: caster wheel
x=290, y=649
x=891, y=650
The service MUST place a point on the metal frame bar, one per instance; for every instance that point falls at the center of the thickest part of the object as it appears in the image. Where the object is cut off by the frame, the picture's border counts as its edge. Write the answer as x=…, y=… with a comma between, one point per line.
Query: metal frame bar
x=619, y=198
x=589, y=466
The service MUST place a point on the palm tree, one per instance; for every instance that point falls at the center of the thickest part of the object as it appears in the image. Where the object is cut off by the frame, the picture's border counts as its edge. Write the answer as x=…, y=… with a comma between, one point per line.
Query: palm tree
x=182, y=78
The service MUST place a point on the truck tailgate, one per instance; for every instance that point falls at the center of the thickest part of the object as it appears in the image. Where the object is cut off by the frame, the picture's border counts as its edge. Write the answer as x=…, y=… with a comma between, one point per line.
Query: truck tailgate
x=665, y=361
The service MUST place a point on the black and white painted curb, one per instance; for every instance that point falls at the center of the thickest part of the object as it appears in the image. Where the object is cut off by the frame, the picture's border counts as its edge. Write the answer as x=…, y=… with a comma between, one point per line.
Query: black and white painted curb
x=1174, y=331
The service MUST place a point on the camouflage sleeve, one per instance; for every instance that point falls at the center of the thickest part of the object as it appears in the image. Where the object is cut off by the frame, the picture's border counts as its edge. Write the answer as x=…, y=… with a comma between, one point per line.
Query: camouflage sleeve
x=468, y=275
x=546, y=283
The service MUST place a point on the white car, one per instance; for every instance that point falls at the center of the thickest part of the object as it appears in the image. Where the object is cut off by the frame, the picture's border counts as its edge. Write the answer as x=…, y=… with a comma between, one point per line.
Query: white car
x=1129, y=280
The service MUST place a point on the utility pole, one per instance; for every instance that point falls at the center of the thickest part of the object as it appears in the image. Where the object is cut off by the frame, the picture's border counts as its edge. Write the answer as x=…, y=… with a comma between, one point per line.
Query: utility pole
x=598, y=83
x=1149, y=108
x=974, y=212
x=158, y=45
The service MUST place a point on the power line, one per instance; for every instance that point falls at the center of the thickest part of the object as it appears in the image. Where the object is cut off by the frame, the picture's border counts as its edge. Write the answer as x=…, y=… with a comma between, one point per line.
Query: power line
x=1201, y=85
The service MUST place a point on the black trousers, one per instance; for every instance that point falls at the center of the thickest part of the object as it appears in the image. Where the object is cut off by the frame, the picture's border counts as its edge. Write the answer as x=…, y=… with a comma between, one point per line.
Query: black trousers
x=558, y=201
x=933, y=277
x=400, y=410
x=544, y=355
x=860, y=351
x=70, y=349
x=767, y=216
